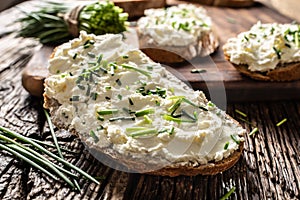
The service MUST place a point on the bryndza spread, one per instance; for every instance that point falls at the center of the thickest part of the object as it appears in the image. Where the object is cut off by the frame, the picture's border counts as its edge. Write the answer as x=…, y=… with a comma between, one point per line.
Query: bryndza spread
x=116, y=97
x=180, y=25
x=265, y=46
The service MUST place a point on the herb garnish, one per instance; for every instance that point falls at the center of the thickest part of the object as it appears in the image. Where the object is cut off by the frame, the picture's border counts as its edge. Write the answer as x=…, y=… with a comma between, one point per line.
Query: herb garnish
x=281, y=122
x=227, y=195
x=234, y=138
x=278, y=52
x=253, y=131
x=226, y=145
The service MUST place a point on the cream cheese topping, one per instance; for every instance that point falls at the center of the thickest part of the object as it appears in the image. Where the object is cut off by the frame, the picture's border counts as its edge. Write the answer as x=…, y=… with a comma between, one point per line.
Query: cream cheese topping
x=265, y=46
x=115, y=97
x=180, y=25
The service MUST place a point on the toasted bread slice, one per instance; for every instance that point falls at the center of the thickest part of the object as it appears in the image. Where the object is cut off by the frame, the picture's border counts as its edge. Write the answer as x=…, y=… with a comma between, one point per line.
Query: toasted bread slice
x=165, y=40
x=206, y=141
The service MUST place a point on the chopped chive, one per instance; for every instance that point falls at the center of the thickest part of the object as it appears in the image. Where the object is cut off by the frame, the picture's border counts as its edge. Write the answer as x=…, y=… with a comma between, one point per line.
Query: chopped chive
x=191, y=103
x=100, y=118
x=244, y=120
x=287, y=45
x=188, y=115
x=253, y=131
x=86, y=46
x=134, y=129
x=75, y=55
x=297, y=39
x=107, y=112
x=278, y=52
x=88, y=91
x=281, y=122
x=118, y=82
x=146, y=132
x=94, y=96
x=121, y=118
x=90, y=54
x=178, y=120
x=157, y=103
x=194, y=71
x=140, y=113
x=226, y=145
x=234, y=138
x=246, y=38
x=99, y=58
x=93, y=135
x=130, y=101
x=74, y=98
x=107, y=98
x=150, y=68
x=125, y=66
x=175, y=106
x=171, y=131
x=127, y=87
x=125, y=57
x=120, y=97
x=147, y=119
x=240, y=113
x=227, y=195
x=108, y=87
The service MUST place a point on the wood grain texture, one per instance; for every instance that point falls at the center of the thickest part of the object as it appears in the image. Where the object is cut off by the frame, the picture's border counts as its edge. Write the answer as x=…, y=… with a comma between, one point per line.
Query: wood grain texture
x=269, y=167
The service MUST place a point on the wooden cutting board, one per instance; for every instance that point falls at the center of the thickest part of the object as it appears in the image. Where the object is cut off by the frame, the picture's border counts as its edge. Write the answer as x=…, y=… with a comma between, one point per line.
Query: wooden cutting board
x=219, y=77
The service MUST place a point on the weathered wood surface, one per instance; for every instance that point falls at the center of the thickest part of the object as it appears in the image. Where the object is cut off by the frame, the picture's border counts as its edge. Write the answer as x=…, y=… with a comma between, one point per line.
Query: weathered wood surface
x=268, y=169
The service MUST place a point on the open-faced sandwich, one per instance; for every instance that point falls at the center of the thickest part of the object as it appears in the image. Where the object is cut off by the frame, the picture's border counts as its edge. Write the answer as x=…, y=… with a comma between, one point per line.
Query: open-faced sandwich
x=176, y=33
x=122, y=104
x=269, y=52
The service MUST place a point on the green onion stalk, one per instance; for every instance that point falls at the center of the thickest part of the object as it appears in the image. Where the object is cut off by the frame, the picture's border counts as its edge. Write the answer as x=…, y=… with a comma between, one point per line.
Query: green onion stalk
x=55, y=23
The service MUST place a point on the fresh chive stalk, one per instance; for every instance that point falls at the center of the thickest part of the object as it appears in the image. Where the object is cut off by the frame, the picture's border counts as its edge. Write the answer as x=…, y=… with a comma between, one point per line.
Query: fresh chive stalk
x=175, y=106
x=226, y=145
x=140, y=113
x=240, y=113
x=126, y=66
x=253, y=131
x=146, y=132
x=178, y=120
x=108, y=112
x=43, y=150
x=281, y=122
x=234, y=138
x=227, y=195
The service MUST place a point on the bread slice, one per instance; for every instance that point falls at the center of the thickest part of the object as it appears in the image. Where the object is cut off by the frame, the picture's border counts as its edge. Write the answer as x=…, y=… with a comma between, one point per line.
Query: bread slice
x=287, y=72
x=206, y=41
x=267, y=52
x=189, y=148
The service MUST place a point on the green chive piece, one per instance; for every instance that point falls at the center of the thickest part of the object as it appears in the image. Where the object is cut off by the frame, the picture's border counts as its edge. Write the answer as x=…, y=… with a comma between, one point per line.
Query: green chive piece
x=134, y=129
x=121, y=118
x=227, y=195
x=281, y=122
x=240, y=113
x=75, y=55
x=146, y=132
x=93, y=135
x=94, y=96
x=191, y=103
x=107, y=112
x=172, y=130
x=125, y=57
x=147, y=119
x=90, y=54
x=226, y=145
x=198, y=71
x=297, y=39
x=74, y=98
x=278, y=52
x=178, y=120
x=99, y=58
x=125, y=66
x=175, y=106
x=234, y=138
x=53, y=133
x=120, y=97
x=253, y=131
x=140, y=113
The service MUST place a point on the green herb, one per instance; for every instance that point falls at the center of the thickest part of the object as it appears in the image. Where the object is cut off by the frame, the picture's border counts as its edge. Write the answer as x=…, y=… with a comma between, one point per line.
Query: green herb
x=145, y=132
x=48, y=23
x=125, y=56
x=90, y=54
x=178, y=120
x=93, y=135
x=184, y=26
x=191, y=103
x=125, y=66
x=75, y=55
x=108, y=87
x=246, y=38
x=278, y=52
x=147, y=111
x=226, y=145
x=120, y=97
x=234, y=138
x=107, y=112
x=130, y=101
x=281, y=122
x=227, y=195
x=81, y=87
x=88, y=91
x=30, y=151
x=99, y=58
x=253, y=131
x=171, y=131
x=194, y=71
x=297, y=39
x=175, y=106
x=119, y=82
x=240, y=113
x=121, y=118
x=147, y=119
x=94, y=96
x=74, y=98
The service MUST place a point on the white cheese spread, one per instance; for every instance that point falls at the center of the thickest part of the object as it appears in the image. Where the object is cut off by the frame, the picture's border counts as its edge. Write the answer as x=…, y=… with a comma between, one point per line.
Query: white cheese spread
x=116, y=97
x=265, y=46
x=180, y=25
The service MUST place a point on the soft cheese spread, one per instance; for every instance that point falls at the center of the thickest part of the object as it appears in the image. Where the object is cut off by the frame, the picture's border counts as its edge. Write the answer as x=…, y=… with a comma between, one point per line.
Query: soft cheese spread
x=116, y=97
x=265, y=46
x=180, y=25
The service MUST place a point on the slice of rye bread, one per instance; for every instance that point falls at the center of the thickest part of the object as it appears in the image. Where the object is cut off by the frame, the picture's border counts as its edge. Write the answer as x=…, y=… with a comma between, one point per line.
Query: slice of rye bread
x=206, y=45
x=172, y=169
x=287, y=72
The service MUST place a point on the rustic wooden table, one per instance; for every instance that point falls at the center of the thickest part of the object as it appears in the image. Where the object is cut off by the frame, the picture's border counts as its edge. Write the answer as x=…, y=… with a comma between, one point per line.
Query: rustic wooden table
x=268, y=169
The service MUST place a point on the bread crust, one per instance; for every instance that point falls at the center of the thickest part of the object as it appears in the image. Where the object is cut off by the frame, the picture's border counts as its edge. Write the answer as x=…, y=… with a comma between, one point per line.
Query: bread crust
x=287, y=72
x=206, y=45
